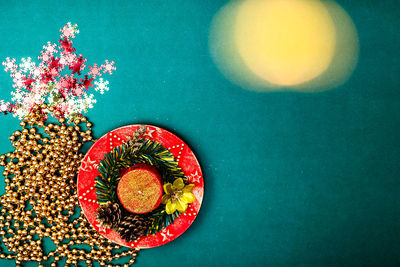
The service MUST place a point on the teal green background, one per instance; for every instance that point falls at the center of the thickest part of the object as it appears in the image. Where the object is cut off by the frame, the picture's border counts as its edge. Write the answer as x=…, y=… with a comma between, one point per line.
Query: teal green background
x=292, y=179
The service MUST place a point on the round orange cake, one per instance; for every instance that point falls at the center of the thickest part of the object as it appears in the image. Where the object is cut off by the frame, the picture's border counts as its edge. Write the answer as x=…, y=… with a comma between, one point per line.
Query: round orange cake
x=140, y=190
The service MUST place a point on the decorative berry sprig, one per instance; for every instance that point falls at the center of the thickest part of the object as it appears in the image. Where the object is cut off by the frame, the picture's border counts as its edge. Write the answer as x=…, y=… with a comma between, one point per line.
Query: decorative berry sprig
x=58, y=80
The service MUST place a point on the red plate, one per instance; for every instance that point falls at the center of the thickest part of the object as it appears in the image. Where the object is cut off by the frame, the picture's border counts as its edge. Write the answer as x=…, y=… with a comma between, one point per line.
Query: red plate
x=186, y=160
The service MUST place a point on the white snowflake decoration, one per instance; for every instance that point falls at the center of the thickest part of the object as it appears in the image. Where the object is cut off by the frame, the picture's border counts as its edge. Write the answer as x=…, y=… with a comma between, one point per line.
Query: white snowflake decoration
x=21, y=113
x=50, y=48
x=101, y=85
x=47, y=83
x=3, y=106
x=27, y=65
x=69, y=30
x=9, y=65
x=89, y=100
x=109, y=67
x=17, y=95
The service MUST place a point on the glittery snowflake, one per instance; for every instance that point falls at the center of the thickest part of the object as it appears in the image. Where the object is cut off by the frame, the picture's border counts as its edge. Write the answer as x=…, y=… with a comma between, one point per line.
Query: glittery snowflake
x=101, y=86
x=43, y=82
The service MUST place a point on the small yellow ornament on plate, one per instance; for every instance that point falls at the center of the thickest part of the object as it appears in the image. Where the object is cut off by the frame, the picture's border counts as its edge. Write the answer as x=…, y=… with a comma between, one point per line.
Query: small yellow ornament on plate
x=177, y=196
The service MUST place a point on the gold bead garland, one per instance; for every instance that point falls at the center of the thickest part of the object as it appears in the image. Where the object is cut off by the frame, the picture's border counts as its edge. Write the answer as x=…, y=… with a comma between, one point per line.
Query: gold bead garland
x=40, y=197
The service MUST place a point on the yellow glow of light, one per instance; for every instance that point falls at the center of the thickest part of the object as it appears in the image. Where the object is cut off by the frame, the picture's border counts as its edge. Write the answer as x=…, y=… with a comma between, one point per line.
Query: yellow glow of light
x=272, y=45
x=346, y=53
x=285, y=42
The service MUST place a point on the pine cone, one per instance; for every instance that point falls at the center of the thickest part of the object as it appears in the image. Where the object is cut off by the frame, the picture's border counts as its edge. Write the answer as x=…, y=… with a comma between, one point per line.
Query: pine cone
x=132, y=227
x=109, y=215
